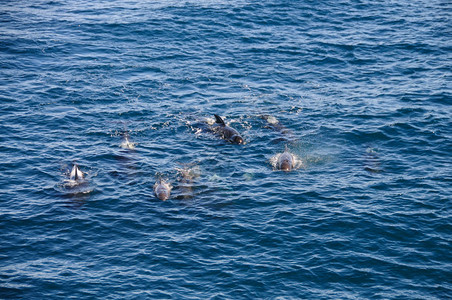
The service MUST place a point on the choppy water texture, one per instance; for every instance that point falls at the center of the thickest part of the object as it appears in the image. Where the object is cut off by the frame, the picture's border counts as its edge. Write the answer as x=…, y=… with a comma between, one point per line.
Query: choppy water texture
x=360, y=91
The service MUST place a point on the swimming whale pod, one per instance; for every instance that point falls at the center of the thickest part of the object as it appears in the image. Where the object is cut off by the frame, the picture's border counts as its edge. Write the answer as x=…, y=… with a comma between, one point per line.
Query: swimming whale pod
x=285, y=161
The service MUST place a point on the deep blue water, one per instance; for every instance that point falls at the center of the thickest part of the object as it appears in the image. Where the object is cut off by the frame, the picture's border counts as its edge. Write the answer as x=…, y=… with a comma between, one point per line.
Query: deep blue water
x=362, y=89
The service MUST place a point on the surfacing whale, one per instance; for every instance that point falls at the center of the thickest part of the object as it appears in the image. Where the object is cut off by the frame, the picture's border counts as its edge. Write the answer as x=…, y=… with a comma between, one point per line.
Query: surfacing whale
x=273, y=123
x=126, y=143
x=186, y=177
x=162, y=189
x=286, y=161
x=76, y=174
x=226, y=132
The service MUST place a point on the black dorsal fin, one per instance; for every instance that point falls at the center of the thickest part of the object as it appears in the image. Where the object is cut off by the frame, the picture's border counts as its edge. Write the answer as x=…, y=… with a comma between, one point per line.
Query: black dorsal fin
x=219, y=120
x=76, y=173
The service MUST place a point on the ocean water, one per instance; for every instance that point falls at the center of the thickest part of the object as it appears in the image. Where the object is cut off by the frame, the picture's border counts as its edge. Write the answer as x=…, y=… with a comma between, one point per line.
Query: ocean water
x=359, y=91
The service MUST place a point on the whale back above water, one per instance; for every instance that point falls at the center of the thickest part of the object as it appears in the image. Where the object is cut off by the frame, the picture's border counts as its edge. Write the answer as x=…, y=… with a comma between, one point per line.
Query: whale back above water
x=286, y=161
x=76, y=174
x=126, y=143
x=226, y=132
x=162, y=189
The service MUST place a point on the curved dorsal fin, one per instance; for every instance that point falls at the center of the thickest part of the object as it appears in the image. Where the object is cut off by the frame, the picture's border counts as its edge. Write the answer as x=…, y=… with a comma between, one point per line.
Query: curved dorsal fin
x=219, y=120
x=76, y=174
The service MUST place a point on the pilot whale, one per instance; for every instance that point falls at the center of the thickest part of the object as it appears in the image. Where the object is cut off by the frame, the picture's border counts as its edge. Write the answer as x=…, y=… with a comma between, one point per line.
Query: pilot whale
x=226, y=132
x=76, y=174
x=186, y=177
x=162, y=189
x=75, y=182
x=126, y=143
x=274, y=124
x=286, y=161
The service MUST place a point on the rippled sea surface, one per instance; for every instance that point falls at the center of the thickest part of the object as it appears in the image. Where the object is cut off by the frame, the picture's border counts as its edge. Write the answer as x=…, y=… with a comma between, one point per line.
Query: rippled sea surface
x=359, y=91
